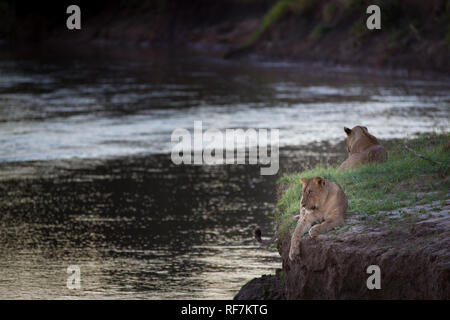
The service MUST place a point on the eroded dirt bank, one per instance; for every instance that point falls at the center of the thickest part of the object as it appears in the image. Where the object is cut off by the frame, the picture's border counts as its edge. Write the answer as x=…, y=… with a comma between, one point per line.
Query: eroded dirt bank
x=410, y=246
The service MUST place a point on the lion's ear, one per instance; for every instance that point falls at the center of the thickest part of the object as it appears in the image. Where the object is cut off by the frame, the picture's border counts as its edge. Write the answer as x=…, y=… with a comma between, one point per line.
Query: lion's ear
x=304, y=181
x=347, y=130
x=320, y=181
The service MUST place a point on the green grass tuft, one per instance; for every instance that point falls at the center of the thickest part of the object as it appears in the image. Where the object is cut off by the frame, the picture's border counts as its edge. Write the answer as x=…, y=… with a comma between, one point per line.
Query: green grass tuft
x=275, y=12
x=299, y=6
x=358, y=28
x=320, y=31
x=329, y=11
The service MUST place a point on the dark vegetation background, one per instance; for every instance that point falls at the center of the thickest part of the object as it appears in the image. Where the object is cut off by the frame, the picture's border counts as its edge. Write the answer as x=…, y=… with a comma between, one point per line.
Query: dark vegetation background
x=415, y=34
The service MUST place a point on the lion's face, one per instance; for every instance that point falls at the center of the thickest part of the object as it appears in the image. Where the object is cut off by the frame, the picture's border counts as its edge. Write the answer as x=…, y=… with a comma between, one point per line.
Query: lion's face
x=313, y=192
x=358, y=138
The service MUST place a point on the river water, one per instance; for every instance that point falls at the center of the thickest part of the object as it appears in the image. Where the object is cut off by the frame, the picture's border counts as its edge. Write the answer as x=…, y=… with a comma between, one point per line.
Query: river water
x=87, y=180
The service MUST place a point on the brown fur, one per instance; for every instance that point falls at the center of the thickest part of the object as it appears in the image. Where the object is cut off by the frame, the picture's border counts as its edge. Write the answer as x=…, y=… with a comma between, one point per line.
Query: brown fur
x=323, y=202
x=362, y=148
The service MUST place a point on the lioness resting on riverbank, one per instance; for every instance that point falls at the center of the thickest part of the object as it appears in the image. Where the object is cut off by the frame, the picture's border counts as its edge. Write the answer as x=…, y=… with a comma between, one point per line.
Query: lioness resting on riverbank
x=323, y=202
x=362, y=148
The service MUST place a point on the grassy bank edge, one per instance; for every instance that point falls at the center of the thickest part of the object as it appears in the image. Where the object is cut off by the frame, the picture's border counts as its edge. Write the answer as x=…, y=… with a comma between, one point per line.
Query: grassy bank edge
x=373, y=190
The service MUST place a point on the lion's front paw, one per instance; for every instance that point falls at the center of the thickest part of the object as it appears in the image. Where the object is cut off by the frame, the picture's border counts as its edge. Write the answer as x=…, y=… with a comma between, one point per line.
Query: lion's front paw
x=314, y=232
x=294, y=252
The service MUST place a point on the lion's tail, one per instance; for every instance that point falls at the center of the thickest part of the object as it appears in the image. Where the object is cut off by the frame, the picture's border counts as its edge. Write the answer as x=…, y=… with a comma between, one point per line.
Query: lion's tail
x=258, y=236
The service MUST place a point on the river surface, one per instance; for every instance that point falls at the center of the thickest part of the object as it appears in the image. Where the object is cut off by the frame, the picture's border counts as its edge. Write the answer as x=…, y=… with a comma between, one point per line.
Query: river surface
x=87, y=180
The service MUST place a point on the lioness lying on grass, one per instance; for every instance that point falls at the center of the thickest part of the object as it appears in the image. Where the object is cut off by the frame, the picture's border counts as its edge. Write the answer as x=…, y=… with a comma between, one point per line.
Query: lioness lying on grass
x=362, y=147
x=323, y=202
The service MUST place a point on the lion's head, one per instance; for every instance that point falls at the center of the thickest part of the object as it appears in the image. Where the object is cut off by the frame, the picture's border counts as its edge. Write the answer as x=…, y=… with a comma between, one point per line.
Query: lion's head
x=359, y=139
x=314, y=193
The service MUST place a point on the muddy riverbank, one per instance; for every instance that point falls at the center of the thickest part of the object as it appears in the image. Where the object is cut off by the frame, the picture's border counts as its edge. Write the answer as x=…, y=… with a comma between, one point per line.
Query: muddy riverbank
x=398, y=220
x=413, y=258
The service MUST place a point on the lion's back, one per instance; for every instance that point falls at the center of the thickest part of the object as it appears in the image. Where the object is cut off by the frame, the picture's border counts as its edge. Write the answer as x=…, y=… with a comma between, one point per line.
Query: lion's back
x=375, y=153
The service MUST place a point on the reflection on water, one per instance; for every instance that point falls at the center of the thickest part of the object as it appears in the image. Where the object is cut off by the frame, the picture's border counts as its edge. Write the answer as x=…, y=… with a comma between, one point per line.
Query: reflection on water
x=94, y=108
x=138, y=226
